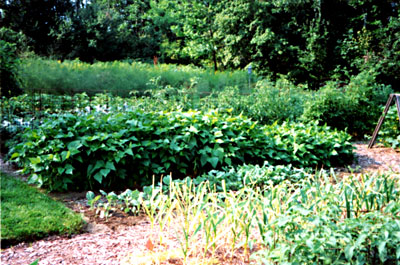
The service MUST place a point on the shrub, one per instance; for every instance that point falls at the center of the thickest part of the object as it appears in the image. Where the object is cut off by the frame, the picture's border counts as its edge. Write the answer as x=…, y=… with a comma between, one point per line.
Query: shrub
x=128, y=148
x=267, y=103
x=10, y=83
x=355, y=106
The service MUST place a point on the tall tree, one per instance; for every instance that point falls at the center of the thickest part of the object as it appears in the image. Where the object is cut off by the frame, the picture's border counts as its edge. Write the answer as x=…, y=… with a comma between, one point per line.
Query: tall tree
x=36, y=19
x=197, y=26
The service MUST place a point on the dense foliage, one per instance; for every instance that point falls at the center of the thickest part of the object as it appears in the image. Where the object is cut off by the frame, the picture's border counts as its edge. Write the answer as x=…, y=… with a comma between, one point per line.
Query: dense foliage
x=389, y=134
x=300, y=39
x=355, y=106
x=78, y=151
x=121, y=78
x=353, y=221
x=9, y=85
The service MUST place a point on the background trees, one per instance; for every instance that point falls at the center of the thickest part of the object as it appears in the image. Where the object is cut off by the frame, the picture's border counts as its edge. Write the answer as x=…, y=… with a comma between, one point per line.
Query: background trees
x=308, y=41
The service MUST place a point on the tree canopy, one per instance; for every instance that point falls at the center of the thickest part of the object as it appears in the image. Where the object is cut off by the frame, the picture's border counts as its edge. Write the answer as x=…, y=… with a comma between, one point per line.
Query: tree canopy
x=309, y=41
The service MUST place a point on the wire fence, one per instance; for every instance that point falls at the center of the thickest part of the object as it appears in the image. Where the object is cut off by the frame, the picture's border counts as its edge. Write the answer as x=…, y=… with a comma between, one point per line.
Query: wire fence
x=28, y=110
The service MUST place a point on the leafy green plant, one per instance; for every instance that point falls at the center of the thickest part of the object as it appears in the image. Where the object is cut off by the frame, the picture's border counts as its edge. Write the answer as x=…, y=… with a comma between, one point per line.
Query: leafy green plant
x=92, y=199
x=131, y=201
x=100, y=149
x=266, y=103
x=389, y=134
x=312, y=228
x=105, y=209
x=355, y=106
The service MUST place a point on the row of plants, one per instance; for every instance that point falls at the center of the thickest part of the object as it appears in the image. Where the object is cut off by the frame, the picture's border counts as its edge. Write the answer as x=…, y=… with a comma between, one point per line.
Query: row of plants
x=316, y=219
x=120, y=78
x=354, y=105
x=99, y=149
x=230, y=178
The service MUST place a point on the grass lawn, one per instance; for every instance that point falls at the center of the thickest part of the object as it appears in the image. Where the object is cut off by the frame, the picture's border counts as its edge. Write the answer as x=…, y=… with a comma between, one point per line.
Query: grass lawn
x=27, y=214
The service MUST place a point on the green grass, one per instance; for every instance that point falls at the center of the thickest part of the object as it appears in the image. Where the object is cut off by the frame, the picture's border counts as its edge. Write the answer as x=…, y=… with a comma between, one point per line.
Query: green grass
x=27, y=214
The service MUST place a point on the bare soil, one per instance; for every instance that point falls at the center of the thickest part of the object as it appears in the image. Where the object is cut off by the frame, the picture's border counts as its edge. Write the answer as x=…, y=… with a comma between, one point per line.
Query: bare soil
x=119, y=238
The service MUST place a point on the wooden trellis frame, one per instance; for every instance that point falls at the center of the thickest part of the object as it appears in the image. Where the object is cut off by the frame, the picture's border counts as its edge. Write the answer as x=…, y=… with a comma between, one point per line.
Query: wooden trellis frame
x=396, y=98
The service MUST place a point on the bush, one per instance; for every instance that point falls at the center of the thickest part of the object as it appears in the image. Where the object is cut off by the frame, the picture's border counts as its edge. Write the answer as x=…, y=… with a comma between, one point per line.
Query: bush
x=355, y=107
x=10, y=83
x=104, y=150
x=267, y=103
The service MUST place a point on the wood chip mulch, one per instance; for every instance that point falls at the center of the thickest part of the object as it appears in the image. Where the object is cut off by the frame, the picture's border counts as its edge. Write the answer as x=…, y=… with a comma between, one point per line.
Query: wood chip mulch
x=103, y=243
x=377, y=159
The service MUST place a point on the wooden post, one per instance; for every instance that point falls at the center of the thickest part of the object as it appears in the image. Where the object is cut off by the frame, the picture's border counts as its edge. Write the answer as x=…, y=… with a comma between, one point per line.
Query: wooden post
x=380, y=122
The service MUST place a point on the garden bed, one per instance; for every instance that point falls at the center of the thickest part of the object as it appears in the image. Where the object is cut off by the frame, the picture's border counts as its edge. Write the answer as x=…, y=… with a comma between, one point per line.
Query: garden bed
x=121, y=237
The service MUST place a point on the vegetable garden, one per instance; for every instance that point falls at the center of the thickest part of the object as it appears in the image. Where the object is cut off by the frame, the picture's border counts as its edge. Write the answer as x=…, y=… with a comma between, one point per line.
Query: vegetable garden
x=219, y=173
x=199, y=132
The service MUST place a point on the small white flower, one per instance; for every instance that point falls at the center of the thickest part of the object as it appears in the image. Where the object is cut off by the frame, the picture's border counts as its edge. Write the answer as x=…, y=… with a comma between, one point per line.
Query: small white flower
x=6, y=123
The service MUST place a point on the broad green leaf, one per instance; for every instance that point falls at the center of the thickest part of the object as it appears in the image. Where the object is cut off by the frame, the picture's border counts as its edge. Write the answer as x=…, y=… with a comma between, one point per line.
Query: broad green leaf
x=65, y=155
x=213, y=161
x=104, y=172
x=349, y=252
x=110, y=165
x=35, y=160
x=98, y=177
x=69, y=169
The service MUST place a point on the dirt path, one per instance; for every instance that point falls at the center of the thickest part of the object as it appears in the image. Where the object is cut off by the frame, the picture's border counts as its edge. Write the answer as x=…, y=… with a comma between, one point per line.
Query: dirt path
x=112, y=241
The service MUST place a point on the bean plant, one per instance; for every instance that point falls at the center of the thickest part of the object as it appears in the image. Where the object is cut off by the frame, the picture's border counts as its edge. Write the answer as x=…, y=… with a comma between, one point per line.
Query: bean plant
x=97, y=149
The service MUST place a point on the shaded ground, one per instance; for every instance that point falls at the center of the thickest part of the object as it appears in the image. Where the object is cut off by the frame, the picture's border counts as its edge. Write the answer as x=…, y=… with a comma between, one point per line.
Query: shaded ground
x=112, y=241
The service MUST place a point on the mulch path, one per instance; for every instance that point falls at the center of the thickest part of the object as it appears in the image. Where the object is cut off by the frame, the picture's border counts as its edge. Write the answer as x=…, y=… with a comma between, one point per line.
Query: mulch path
x=112, y=241
x=378, y=159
